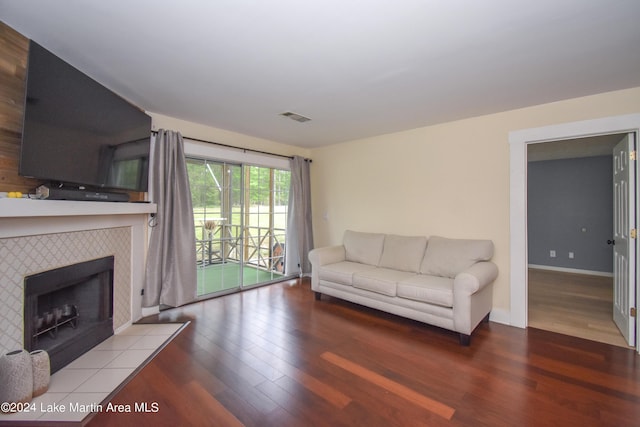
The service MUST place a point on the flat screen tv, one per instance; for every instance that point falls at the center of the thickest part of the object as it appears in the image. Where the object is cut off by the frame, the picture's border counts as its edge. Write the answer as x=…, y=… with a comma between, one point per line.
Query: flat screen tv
x=77, y=132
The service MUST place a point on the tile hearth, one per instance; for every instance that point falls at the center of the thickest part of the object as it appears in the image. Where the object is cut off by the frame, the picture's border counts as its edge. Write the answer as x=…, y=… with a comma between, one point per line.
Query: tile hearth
x=87, y=381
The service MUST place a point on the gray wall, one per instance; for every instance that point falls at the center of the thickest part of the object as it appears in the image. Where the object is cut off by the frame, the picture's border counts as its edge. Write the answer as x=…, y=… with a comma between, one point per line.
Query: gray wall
x=570, y=209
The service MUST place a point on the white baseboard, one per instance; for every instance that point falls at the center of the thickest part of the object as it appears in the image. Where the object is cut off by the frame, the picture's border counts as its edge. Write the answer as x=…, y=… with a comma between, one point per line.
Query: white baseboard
x=150, y=311
x=500, y=315
x=571, y=270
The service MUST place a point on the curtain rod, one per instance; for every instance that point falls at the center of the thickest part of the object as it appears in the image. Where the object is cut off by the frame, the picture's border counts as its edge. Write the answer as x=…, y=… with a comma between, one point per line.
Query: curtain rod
x=155, y=132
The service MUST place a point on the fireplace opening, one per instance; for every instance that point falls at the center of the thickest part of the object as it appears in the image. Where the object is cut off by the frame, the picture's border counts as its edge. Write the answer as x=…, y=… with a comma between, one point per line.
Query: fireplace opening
x=69, y=310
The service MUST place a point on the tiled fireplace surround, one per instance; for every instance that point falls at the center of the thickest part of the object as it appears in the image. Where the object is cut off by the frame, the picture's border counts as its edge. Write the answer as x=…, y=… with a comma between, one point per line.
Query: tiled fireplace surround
x=39, y=235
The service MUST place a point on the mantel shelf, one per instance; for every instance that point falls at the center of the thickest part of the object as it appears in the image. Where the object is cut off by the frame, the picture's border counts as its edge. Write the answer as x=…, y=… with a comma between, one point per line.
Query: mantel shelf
x=30, y=208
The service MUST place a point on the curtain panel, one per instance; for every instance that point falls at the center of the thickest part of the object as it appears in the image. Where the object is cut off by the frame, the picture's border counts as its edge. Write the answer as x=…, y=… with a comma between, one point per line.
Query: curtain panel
x=171, y=260
x=299, y=225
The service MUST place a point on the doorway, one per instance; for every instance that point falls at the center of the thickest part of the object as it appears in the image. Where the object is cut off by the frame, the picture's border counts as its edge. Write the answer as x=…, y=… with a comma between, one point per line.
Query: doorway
x=570, y=227
x=240, y=217
x=519, y=140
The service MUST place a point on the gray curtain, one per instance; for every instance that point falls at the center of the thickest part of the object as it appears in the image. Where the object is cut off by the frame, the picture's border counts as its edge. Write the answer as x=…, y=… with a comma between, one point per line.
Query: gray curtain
x=299, y=225
x=171, y=261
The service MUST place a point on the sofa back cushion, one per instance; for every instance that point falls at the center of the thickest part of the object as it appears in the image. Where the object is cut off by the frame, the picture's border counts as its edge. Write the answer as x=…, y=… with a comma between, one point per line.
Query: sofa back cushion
x=404, y=253
x=365, y=248
x=448, y=257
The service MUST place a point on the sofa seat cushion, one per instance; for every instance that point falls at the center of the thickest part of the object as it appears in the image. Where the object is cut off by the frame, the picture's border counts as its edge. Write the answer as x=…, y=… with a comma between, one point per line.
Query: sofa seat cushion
x=380, y=280
x=342, y=272
x=429, y=289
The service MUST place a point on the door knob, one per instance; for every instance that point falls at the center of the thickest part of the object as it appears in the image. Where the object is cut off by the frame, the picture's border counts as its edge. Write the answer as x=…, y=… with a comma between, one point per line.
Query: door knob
x=611, y=242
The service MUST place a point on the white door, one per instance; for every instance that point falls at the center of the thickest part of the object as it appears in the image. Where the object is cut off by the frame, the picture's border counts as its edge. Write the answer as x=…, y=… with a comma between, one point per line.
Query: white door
x=624, y=256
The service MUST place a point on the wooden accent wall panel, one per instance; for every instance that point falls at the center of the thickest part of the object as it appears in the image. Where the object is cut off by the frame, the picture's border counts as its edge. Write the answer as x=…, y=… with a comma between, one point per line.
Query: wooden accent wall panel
x=14, y=49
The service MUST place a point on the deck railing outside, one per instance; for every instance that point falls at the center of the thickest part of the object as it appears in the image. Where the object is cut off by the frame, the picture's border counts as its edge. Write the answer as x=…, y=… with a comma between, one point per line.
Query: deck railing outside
x=263, y=247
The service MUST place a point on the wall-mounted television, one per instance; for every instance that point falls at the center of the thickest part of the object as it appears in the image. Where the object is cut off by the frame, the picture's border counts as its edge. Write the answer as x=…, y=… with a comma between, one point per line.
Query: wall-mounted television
x=78, y=133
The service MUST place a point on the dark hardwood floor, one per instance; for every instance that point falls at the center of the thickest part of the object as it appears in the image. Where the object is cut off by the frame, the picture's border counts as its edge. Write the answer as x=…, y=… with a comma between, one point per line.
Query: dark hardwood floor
x=274, y=356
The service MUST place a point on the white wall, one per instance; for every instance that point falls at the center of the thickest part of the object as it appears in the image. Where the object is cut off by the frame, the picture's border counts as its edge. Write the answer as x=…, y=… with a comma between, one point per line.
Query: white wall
x=450, y=179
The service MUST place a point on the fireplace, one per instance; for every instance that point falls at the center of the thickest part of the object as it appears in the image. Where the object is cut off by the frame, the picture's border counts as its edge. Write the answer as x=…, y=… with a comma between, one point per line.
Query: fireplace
x=69, y=310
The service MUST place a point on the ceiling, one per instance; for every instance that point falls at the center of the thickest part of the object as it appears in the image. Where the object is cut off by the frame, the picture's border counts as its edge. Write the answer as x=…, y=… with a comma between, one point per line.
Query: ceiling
x=356, y=68
x=592, y=146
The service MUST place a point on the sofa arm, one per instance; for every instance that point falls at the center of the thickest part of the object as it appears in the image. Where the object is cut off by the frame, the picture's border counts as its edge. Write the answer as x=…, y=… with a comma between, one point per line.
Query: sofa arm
x=323, y=256
x=475, y=277
x=327, y=255
x=473, y=296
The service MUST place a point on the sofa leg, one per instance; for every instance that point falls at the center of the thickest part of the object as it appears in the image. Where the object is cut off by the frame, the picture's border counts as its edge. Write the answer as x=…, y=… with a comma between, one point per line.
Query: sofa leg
x=486, y=318
x=318, y=296
x=465, y=340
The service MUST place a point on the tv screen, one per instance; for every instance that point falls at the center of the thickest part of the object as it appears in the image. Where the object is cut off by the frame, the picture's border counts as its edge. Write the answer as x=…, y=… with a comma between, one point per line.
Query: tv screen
x=76, y=131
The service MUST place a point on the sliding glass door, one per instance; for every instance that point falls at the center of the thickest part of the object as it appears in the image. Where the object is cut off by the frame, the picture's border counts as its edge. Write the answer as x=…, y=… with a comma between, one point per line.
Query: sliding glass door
x=240, y=215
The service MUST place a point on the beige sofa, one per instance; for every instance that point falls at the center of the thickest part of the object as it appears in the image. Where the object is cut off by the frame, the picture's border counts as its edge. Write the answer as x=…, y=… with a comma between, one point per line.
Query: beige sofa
x=439, y=281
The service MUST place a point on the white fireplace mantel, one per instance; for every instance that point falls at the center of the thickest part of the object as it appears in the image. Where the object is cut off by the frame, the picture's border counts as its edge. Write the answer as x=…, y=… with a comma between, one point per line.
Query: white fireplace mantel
x=28, y=217
x=11, y=208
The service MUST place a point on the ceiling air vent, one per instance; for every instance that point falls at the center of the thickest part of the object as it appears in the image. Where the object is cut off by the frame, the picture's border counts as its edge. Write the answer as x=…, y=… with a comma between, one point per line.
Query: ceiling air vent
x=296, y=117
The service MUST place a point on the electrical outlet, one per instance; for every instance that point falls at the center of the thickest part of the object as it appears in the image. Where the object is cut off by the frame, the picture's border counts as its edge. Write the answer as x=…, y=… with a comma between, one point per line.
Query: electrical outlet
x=571, y=255
x=552, y=253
